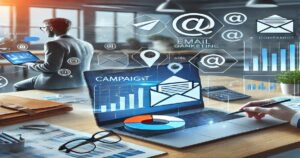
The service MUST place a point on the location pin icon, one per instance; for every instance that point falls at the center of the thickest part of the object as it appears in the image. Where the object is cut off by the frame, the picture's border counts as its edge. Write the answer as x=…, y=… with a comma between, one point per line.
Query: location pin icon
x=150, y=56
x=175, y=67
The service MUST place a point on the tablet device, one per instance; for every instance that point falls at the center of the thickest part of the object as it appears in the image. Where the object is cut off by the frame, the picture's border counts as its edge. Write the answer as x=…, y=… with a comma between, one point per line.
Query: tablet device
x=18, y=58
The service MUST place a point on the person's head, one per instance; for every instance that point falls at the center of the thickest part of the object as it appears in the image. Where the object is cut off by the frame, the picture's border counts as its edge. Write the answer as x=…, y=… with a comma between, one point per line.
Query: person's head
x=56, y=26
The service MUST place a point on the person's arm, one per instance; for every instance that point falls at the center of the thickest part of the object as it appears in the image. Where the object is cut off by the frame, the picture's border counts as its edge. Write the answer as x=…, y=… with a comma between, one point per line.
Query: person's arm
x=279, y=111
x=53, y=59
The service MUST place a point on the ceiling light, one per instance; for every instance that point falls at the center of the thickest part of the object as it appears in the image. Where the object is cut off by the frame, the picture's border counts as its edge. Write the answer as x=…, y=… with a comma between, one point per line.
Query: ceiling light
x=170, y=7
x=261, y=4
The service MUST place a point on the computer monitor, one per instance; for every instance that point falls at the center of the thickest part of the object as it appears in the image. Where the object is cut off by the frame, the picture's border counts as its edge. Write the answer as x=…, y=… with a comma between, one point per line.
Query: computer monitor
x=119, y=94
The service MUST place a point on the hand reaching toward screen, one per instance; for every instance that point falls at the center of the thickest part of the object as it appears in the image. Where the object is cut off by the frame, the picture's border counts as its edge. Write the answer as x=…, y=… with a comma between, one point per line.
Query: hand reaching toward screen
x=280, y=111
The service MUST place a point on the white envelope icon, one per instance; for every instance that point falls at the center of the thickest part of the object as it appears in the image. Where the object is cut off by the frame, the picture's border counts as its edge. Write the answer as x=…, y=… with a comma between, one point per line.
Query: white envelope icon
x=275, y=24
x=114, y=59
x=174, y=90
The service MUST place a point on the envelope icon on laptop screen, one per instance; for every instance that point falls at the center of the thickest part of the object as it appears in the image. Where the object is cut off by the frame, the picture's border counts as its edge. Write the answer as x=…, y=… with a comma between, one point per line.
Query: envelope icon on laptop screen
x=275, y=24
x=174, y=90
x=114, y=59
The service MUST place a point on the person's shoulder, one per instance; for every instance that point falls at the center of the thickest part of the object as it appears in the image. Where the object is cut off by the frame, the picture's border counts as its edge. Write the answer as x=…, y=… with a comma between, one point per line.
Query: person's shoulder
x=53, y=43
x=87, y=44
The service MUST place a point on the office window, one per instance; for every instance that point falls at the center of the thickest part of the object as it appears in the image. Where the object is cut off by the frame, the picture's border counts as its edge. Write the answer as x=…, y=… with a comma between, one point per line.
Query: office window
x=72, y=15
x=109, y=26
x=104, y=27
x=124, y=33
x=38, y=15
x=5, y=22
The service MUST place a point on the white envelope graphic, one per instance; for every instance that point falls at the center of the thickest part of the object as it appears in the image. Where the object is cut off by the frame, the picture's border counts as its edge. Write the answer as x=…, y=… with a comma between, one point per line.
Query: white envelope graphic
x=114, y=59
x=275, y=24
x=174, y=90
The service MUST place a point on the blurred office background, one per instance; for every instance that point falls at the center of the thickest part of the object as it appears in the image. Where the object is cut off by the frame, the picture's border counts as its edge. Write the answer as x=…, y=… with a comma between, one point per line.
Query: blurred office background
x=103, y=23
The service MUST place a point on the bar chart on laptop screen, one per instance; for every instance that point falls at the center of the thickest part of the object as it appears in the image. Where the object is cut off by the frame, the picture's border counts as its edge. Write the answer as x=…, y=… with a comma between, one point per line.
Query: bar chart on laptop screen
x=120, y=98
x=272, y=56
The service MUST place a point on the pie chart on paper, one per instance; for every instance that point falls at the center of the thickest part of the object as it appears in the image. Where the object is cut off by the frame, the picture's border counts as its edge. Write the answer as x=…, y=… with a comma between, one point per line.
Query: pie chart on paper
x=153, y=124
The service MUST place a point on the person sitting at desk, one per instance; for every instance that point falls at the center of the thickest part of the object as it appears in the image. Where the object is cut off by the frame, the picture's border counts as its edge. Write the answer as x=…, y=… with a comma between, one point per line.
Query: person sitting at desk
x=281, y=112
x=65, y=59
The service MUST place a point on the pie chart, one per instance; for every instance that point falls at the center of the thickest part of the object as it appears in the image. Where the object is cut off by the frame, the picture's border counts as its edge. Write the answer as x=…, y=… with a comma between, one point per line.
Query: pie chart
x=153, y=124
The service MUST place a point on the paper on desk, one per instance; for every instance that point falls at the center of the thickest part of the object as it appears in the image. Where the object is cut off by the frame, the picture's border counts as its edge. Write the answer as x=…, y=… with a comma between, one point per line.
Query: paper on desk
x=62, y=98
x=46, y=144
x=293, y=104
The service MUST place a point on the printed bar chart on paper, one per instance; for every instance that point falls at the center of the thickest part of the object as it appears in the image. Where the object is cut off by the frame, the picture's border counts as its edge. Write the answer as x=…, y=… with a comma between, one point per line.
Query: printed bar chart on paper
x=271, y=57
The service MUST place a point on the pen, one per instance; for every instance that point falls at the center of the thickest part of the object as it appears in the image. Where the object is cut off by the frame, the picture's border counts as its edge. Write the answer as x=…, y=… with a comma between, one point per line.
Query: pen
x=264, y=106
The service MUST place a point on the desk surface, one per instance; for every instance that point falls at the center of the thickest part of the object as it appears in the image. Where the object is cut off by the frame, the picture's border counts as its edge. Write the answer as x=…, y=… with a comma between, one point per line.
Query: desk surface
x=239, y=146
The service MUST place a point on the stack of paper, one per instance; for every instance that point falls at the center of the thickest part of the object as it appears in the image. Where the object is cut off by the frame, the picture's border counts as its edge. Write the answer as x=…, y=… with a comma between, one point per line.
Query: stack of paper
x=41, y=144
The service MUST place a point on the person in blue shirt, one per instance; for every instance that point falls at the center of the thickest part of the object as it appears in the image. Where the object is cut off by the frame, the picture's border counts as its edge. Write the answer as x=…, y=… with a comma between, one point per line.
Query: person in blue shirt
x=281, y=112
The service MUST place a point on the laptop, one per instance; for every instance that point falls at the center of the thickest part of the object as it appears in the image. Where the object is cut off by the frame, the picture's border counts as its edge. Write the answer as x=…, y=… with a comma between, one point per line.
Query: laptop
x=121, y=94
x=19, y=58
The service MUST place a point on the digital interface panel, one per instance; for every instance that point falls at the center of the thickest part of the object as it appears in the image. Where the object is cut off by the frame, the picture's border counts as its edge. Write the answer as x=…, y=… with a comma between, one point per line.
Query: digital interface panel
x=20, y=57
x=118, y=95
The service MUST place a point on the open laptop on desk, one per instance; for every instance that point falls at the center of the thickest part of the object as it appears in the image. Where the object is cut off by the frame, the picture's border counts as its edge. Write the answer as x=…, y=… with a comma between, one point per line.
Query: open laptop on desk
x=120, y=94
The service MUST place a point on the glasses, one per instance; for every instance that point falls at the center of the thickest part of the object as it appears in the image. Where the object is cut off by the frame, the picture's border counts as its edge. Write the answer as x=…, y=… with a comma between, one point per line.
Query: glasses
x=43, y=28
x=83, y=145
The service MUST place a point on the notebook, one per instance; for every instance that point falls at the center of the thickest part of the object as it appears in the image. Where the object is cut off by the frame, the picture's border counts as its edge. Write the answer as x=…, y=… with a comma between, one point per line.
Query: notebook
x=30, y=109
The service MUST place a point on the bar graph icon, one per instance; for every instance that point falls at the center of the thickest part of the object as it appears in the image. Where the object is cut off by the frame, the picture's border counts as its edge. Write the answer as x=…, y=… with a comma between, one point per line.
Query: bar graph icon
x=262, y=83
x=264, y=53
x=262, y=86
x=283, y=59
x=114, y=99
x=275, y=57
x=292, y=57
x=274, y=62
x=122, y=103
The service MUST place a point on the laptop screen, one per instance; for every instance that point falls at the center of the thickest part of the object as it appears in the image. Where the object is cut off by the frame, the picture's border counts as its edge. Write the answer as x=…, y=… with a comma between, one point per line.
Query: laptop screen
x=119, y=94
x=17, y=58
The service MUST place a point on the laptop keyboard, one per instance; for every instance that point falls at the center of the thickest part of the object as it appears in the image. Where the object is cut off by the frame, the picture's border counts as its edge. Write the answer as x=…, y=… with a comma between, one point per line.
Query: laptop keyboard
x=196, y=119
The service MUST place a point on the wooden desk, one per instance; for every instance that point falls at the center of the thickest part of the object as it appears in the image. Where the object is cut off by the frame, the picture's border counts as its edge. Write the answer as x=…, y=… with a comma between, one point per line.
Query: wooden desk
x=235, y=147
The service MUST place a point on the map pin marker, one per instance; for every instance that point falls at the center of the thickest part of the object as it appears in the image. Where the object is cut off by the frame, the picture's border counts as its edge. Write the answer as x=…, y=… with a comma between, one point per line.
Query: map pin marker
x=175, y=67
x=150, y=56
